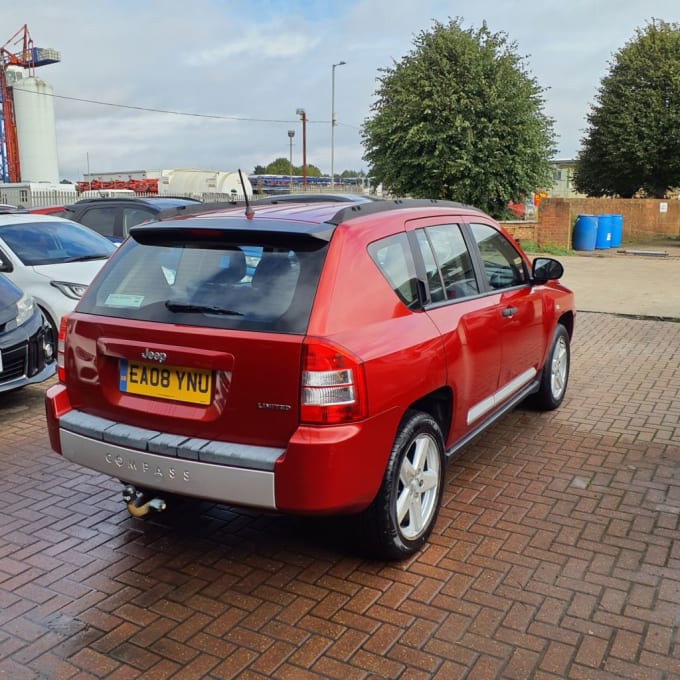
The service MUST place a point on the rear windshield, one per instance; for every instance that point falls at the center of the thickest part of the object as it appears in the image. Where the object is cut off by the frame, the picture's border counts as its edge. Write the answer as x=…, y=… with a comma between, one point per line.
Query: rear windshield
x=251, y=283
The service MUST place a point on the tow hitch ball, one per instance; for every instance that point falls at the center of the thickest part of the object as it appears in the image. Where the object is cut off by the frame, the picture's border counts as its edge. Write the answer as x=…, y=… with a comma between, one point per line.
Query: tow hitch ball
x=136, y=504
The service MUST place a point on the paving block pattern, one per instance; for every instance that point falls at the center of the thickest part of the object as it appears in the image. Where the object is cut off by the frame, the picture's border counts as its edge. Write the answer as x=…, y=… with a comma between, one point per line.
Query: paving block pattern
x=556, y=554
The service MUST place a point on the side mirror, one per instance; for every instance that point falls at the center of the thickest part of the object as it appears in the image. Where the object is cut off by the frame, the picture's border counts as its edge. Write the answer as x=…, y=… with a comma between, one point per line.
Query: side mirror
x=546, y=269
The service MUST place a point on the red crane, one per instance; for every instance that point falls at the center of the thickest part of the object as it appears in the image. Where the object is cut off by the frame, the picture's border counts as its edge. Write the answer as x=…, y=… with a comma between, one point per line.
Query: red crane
x=17, y=51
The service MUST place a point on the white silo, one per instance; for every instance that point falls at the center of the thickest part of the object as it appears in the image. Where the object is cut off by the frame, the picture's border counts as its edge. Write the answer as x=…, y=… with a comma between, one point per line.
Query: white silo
x=36, y=130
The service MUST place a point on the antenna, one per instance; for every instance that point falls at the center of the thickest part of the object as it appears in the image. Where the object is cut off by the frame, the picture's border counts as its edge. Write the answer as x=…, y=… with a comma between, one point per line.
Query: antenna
x=249, y=211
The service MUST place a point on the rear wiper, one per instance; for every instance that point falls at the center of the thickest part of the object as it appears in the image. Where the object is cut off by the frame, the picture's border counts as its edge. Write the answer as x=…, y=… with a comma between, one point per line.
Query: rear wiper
x=175, y=306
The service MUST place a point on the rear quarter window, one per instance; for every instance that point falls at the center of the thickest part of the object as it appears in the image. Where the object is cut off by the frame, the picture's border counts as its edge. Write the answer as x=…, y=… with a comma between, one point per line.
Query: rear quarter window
x=393, y=257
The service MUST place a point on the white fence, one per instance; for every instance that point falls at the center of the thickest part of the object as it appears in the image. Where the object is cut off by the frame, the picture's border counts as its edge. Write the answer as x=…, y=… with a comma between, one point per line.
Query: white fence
x=26, y=198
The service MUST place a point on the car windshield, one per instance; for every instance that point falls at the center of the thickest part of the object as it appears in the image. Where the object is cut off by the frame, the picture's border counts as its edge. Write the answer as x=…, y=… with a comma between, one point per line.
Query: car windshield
x=53, y=242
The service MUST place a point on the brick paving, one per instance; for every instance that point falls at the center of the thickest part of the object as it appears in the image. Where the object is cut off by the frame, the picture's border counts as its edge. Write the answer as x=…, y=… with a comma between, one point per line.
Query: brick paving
x=556, y=555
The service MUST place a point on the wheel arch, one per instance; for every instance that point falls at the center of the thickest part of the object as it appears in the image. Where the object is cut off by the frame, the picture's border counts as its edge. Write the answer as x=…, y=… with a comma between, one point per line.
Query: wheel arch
x=567, y=320
x=50, y=319
x=439, y=405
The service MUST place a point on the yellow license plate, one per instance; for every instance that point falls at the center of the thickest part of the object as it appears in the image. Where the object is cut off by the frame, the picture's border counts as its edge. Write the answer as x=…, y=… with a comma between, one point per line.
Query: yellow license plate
x=192, y=385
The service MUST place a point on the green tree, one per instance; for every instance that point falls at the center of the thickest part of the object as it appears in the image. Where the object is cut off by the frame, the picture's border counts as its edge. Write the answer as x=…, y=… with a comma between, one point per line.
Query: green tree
x=632, y=141
x=312, y=171
x=459, y=118
x=280, y=166
x=353, y=173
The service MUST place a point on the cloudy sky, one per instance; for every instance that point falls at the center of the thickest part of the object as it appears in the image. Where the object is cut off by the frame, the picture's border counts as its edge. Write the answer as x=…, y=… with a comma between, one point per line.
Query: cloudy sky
x=234, y=72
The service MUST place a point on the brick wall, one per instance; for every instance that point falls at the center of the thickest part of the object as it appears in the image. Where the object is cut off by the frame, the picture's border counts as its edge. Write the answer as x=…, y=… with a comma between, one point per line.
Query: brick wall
x=522, y=231
x=643, y=219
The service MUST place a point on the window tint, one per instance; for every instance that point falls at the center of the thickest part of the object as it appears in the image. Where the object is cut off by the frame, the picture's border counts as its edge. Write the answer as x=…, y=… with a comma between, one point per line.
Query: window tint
x=455, y=278
x=133, y=216
x=100, y=219
x=503, y=265
x=393, y=257
x=227, y=285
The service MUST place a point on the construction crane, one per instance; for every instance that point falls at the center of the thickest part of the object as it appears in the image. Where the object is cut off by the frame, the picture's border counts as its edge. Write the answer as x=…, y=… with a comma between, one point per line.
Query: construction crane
x=17, y=51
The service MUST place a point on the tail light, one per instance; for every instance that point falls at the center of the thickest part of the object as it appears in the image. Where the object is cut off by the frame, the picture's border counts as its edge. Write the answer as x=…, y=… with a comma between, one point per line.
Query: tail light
x=333, y=385
x=61, y=342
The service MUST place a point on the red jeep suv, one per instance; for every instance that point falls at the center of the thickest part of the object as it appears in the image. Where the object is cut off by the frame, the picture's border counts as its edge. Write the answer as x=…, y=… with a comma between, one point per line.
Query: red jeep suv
x=307, y=358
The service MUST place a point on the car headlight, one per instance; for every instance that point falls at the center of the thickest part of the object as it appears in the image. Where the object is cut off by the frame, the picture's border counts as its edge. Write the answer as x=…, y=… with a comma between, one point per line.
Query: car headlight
x=70, y=290
x=25, y=309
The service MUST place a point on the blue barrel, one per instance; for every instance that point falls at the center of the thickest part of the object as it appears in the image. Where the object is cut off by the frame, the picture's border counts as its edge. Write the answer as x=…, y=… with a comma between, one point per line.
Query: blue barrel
x=617, y=230
x=604, y=232
x=585, y=232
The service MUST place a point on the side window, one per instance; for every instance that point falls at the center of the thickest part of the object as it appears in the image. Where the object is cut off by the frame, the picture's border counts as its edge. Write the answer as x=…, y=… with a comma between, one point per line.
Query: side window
x=393, y=257
x=503, y=265
x=445, y=245
x=434, y=277
x=133, y=216
x=100, y=219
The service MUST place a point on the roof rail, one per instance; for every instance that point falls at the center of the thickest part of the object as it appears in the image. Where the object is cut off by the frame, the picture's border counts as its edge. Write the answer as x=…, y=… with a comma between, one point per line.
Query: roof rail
x=360, y=209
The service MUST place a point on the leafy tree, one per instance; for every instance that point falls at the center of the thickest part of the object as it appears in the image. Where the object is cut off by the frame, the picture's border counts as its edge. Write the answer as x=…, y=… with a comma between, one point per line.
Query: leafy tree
x=632, y=142
x=459, y=118
x=280, y=166
x=312, y=171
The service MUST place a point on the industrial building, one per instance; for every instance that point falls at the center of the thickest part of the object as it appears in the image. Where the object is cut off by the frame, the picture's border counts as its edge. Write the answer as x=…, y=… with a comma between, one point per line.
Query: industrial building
x=198, y=183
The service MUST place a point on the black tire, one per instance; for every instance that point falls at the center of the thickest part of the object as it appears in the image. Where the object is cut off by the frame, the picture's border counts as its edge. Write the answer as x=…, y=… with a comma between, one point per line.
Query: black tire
x=555, y=374
x=402, y=516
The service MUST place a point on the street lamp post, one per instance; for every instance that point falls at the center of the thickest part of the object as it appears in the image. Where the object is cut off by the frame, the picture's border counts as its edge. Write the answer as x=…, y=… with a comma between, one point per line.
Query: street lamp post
x=340, y=63
x=303, y=116
x=291, y=134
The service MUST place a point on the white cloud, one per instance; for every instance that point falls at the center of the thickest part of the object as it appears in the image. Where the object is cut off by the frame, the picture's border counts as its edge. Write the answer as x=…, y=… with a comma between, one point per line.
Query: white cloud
x=256, y=42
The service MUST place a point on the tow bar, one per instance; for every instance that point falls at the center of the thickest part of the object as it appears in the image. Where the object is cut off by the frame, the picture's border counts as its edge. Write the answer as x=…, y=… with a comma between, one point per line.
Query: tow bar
x=136, y=505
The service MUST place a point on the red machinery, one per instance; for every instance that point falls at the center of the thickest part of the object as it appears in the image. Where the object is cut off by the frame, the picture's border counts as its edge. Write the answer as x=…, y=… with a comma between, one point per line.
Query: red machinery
x=140, y=186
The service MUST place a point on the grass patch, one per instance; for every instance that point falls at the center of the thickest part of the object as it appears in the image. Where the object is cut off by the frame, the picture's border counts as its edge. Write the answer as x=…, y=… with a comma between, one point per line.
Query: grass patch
x=533, y=247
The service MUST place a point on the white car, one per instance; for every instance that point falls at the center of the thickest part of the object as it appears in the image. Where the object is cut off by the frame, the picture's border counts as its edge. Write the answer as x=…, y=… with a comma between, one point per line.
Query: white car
x=51, y=258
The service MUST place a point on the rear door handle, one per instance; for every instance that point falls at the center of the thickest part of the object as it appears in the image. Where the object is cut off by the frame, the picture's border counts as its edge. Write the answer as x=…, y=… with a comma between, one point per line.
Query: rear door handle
x=509, y=311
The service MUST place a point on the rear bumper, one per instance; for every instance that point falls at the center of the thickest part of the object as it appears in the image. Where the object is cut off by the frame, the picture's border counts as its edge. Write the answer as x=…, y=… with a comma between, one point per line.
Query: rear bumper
x=221, y=483
x=323, y=470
